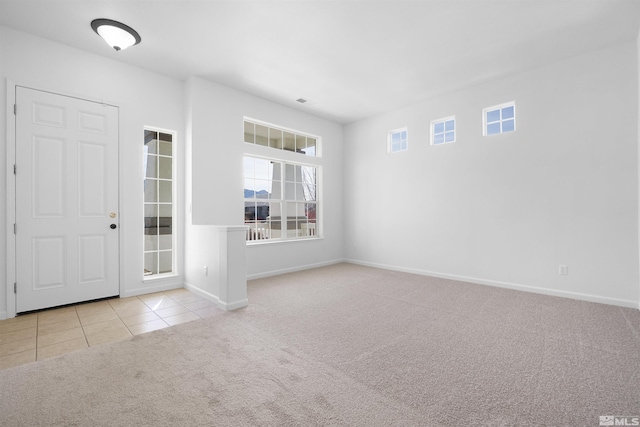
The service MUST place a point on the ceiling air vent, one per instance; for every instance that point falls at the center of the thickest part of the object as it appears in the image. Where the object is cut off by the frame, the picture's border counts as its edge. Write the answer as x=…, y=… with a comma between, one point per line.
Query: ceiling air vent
x=305, y=101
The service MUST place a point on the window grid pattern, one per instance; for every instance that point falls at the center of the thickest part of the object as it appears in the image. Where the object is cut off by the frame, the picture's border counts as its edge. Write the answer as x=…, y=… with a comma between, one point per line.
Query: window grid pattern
x=398, y=140
x=280, y=139
x=158, y=190
x=499, y=119
x=443, y=131
x=280, y=200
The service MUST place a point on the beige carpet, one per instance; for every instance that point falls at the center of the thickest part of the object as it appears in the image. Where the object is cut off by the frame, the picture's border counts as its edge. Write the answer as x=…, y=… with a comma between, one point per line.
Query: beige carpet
x=354, y=346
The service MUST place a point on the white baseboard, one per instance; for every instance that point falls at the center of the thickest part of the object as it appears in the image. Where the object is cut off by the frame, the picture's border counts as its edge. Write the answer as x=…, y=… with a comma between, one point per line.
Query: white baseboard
x=293, y=269
x=507, y=285
x=3, y=315
x=149, y=290
x=227, y=306
x=204, y=294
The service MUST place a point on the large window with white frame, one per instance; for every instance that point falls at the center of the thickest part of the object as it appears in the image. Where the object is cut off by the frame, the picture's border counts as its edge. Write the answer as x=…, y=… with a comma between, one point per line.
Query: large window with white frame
x=281, y=186
x=159, y=212
x=280, y=200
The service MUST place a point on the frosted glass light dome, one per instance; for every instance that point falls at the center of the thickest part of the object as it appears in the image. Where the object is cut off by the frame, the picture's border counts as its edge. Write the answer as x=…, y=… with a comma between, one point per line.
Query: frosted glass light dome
x=117, y=35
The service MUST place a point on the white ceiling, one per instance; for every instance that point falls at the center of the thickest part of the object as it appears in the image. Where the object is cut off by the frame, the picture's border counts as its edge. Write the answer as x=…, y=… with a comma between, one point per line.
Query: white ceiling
x=353, y=58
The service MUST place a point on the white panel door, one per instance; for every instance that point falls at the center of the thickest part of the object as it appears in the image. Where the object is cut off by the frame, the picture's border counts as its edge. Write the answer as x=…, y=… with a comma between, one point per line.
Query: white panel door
x=66, y=200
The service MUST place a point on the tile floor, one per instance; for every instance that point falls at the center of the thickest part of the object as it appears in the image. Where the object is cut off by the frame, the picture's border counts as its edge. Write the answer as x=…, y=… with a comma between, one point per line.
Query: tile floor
x=49, y=333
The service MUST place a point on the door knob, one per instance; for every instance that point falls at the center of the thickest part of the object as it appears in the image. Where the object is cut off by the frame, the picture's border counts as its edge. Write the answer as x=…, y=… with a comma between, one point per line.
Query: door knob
x=113, y=226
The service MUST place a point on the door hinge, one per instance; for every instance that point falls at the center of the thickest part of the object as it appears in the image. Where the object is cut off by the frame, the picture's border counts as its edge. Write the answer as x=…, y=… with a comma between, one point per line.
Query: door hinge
x=15, y=228
x=15, y=109
x=15, y=288
x=14, y=168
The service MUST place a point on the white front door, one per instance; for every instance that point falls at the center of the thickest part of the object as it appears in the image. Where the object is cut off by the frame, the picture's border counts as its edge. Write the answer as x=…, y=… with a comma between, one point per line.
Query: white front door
x=66, y=200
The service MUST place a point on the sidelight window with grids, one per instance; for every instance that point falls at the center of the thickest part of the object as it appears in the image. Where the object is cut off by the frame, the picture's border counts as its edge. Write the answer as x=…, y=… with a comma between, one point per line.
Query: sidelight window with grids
x=159, y=188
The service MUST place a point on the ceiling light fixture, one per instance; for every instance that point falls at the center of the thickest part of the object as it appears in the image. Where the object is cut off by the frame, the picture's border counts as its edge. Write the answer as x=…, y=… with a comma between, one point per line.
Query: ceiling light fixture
x=116, y=34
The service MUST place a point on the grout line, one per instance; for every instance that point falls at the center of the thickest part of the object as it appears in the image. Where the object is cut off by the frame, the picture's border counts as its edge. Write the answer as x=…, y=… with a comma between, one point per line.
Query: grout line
x=120, y=318
x=37, y=334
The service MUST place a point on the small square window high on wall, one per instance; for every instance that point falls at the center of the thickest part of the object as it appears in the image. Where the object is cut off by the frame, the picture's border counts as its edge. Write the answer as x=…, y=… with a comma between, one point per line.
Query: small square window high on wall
x=499, y=119
x=443, y=131
x=397, y=140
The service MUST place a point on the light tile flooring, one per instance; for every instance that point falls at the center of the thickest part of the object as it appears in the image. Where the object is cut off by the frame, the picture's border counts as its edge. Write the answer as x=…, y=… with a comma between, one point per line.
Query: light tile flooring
x=49, y=333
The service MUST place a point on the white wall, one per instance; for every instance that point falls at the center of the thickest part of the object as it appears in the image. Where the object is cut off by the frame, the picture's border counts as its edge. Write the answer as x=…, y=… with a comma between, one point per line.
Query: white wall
x=507, y=210
x=216, y=132
x=216, y=264
x=144, y=99
x=503, y=210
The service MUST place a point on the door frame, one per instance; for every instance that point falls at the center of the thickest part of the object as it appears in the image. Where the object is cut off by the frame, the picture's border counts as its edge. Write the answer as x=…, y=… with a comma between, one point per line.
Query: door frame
x=11, y=189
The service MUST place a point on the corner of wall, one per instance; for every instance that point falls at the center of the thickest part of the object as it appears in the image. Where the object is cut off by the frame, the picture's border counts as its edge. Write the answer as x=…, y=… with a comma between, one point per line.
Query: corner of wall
x=638, y=138
x=7, y=216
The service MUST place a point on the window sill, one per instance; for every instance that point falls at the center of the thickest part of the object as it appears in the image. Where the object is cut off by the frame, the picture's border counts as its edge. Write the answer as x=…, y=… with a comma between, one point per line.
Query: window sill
x=278, y=241
x=154, y=277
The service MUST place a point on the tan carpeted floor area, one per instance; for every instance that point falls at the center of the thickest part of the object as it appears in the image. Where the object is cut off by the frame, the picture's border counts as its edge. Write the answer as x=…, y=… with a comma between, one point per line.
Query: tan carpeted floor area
x=351, y=345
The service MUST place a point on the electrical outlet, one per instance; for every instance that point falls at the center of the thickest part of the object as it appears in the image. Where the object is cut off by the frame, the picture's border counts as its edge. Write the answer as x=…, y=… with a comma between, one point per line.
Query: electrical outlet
x=563, y=270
